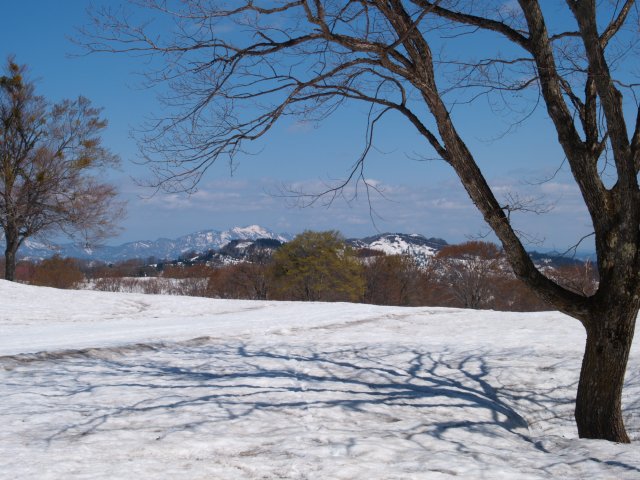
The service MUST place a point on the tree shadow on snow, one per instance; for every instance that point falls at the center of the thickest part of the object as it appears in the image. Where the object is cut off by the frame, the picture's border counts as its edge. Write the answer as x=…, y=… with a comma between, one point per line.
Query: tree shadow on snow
x=396, y=392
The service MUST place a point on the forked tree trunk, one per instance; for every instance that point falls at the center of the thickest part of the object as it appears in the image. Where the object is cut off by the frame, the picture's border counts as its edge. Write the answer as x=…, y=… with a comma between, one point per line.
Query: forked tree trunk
x=598, y=411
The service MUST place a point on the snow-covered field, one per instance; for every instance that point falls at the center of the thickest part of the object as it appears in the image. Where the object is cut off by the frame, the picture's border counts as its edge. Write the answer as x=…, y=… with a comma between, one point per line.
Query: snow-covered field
x=119, y=386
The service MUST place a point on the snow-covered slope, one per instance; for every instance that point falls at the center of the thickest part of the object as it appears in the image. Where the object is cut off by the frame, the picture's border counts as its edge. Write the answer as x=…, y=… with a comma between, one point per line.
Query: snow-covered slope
x=118, y=386
x=401, y=244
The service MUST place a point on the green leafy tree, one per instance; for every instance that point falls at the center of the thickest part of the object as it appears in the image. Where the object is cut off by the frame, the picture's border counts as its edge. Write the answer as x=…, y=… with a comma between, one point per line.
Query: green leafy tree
x=50, y=156
x=317, y=266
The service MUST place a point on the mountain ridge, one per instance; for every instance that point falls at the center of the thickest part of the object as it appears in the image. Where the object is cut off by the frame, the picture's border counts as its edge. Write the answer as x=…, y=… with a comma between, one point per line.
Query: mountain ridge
x=161, y=248
x=204, y=242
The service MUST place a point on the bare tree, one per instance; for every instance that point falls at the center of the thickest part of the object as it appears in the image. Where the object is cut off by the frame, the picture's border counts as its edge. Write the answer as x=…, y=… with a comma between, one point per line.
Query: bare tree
x=580, y=277
x=471, y=270
x=47, y=155
x=234, y=71
x=393, y=280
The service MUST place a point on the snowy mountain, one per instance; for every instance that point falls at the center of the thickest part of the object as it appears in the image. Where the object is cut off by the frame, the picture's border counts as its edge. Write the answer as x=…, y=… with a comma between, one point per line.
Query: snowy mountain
x=422, y=248
x=207, y=240
x=237, y=251
x=162, y=248
x=401, y=244
x=240, y=243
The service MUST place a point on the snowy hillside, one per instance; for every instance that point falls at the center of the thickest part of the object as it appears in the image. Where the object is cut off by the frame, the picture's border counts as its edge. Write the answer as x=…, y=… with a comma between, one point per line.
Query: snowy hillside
x=401, y=244
x=119, y=386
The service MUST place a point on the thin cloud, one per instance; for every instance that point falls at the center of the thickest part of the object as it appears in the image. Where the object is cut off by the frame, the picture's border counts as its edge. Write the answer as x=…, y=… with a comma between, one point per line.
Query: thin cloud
x=443, y=209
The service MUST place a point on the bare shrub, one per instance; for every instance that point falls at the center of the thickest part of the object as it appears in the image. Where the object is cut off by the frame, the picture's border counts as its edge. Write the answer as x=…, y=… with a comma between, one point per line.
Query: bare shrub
x=57, y=272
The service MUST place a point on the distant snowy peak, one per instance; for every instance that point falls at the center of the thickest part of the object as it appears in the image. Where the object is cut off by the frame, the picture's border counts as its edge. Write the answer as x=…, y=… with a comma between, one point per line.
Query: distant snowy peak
x=401, y=244
x=253, y=232
x=214, y=240
x=163, y=248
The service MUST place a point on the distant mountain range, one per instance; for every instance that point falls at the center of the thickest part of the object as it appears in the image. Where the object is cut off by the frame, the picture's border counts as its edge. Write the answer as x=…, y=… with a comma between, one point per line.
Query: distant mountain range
x=241, y=243
x=163, y=248
x=236, y=242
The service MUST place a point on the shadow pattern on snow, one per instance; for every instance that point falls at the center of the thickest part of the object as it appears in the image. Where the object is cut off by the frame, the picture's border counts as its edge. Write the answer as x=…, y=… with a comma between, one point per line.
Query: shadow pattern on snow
x=301, y=396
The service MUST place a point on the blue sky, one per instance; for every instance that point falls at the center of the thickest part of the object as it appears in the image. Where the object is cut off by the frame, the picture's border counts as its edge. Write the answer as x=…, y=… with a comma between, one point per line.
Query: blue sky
x=419, y=196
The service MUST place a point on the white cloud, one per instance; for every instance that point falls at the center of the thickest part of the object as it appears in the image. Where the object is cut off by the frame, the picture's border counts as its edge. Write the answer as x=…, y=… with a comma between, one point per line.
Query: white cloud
x=440, y=209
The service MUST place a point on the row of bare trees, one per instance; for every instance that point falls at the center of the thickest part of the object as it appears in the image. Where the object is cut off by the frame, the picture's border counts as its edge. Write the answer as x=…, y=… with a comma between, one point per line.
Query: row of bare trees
x=470, y=275
x=319, y=267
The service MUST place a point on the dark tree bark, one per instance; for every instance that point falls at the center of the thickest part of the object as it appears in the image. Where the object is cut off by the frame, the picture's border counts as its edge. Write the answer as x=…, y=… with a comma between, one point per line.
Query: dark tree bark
x=308, y=57
x=598, y=404
x=11, y=249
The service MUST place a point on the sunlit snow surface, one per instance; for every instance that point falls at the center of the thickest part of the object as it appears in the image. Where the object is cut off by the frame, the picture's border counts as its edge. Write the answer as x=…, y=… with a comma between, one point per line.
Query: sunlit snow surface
x=113, y=386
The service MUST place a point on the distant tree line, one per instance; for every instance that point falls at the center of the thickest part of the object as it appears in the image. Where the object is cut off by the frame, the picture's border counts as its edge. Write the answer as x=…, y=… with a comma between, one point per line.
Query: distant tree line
x=321, y=266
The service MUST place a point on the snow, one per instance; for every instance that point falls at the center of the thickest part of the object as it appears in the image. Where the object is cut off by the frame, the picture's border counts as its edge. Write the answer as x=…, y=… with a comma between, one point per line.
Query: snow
x=111, y=386
x=250, y=230
x=395, y=245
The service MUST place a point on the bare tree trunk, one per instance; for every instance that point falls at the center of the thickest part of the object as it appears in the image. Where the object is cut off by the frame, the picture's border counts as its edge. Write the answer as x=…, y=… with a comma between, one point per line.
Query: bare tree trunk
x=10, y=260
x=598, y=411
x=13, y=241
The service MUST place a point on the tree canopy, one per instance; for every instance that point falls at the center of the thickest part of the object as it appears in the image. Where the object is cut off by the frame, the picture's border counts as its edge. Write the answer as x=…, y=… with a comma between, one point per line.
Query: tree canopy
x=317, y=266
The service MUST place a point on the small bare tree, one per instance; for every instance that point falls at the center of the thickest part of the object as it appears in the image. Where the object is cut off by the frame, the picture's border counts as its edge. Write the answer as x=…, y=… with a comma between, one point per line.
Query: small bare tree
x=237, y=68
x=471, y=270
x=393, y=280
x=57, y=272
x=47, y=157
x=580, y=277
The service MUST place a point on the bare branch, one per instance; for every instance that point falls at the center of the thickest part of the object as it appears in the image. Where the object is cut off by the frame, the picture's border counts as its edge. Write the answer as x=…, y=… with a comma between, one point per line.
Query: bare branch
x=476, y=21
x=616, y=24
x=574, y=248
